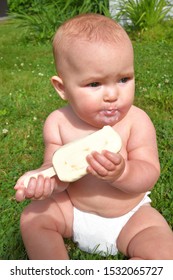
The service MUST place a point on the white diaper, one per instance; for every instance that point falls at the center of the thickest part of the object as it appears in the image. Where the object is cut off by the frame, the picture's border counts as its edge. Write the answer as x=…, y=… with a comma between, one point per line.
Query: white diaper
x=96, y=234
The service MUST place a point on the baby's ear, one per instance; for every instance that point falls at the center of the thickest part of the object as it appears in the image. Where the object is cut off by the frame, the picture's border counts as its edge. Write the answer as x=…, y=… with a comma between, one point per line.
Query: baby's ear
x=58, y=84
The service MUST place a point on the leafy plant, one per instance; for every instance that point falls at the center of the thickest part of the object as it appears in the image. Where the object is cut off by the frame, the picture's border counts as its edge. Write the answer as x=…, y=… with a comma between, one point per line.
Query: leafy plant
x=40, y=25
x=28, y=6
x=142, y=14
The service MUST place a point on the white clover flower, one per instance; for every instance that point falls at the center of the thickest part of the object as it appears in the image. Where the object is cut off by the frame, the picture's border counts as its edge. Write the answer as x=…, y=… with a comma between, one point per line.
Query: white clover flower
x=5, y=131
x=166, y=81
x=159, y=85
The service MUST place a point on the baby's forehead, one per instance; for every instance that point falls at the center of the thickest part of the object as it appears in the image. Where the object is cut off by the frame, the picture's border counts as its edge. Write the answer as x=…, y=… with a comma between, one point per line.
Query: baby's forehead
x=66, y=42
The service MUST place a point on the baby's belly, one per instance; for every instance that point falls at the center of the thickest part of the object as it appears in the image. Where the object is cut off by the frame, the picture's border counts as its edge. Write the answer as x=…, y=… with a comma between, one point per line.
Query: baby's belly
x=98, y=197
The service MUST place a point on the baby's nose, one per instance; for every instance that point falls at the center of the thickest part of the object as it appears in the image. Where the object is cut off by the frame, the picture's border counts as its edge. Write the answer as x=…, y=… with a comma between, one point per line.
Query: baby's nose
x=110, y=94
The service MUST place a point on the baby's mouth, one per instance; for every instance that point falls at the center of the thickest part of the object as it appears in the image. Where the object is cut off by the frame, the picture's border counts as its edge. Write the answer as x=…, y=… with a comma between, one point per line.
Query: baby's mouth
x=110, y=112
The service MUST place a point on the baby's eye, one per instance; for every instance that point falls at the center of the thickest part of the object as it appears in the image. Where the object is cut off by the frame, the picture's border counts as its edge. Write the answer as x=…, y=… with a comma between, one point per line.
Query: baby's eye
x=94, y=84
x=124, y=80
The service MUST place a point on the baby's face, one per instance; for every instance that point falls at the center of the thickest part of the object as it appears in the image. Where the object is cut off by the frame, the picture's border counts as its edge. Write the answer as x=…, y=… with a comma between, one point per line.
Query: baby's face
x=99, y=81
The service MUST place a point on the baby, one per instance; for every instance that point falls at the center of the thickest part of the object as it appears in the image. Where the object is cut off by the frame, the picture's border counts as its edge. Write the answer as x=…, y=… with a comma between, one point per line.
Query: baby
x=108, y=210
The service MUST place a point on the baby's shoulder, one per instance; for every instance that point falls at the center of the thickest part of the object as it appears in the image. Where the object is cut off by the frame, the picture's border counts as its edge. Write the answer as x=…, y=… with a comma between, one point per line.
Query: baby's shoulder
x=53, y=126
x=57, y=116
x=134, y=109
x=137, y=114
x=140, y=121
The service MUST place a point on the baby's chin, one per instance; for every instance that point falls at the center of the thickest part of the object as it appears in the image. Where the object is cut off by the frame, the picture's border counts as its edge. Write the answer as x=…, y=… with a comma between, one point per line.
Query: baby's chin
x=103, y=122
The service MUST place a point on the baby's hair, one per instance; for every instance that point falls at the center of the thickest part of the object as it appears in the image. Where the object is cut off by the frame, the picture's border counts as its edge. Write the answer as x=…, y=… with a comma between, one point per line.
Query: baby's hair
x=89, y=28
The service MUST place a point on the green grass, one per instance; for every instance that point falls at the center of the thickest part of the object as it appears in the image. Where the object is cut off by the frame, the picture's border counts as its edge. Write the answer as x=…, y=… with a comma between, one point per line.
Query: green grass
x=27, y=97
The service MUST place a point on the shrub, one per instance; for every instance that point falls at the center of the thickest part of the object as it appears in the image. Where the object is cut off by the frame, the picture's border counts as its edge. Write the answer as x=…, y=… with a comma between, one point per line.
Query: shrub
x=42, y=19
x=143, y=14
x=24, y=6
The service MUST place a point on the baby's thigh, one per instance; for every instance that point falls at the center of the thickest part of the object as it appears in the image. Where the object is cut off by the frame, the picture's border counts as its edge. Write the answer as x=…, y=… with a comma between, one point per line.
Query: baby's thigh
x=54, y=213
x=145, y=234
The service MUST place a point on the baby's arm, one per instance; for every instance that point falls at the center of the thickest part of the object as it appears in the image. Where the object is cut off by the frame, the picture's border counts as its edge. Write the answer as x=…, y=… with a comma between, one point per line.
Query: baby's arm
x=139, y=171
x=41, y=187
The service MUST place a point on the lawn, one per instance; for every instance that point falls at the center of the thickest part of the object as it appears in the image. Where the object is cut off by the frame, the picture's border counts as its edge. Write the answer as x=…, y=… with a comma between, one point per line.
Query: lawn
x=27, y=97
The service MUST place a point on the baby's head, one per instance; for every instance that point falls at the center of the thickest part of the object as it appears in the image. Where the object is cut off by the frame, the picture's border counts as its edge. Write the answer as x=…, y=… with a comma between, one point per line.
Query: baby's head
x=94, y=60
x=86, y=28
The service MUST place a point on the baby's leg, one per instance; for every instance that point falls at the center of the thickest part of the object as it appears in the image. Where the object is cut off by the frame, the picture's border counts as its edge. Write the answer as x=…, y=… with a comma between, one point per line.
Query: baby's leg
x=44, y=223
x=146, y=236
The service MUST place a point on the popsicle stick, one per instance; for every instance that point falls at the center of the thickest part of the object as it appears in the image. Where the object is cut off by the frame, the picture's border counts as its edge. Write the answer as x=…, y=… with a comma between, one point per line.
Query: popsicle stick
x=49, y=172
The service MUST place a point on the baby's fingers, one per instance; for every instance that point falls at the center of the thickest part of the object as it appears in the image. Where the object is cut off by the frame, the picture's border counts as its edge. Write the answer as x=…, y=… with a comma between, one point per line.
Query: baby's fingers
x=116, y=159
x=40, y=188
x=30, y=191
x=97, y=164
x=49, y=184
x=118, y=162
x=20, y=194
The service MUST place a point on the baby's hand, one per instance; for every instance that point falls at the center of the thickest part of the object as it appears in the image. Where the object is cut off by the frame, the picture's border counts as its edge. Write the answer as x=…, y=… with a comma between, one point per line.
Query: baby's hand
x=107, y=166
x=39, y=188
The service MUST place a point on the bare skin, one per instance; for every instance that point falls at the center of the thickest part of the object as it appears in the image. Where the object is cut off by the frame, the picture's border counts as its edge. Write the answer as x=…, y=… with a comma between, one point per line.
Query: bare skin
x=115, y=183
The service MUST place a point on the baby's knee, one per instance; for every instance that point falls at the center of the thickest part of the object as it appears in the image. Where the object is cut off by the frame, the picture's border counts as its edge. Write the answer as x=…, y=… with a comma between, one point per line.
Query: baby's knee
x=29, y=220
x=41, y=215
x=165, y=246
x=167, y=252
x=25, y=219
